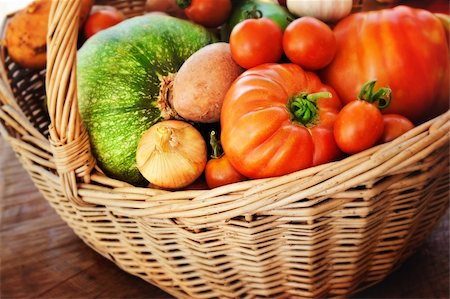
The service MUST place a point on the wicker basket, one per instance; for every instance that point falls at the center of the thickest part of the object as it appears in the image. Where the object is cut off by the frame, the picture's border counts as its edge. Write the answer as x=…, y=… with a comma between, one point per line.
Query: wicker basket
x=330, y=230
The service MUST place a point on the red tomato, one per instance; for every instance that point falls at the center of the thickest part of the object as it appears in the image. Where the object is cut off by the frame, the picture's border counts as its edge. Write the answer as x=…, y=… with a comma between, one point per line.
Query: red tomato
x=394, y=126
x=277, y=119
x=101, y=20
x=209, y=13
x=359, y=125
x=309, y=42
x=403, y=48
x=220, y=172
x=256, y=41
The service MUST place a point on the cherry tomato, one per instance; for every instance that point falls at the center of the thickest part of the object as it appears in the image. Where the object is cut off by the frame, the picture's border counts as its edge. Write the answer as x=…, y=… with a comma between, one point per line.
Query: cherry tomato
x=220, y=172
x=209, y=13
x=359, y=125
x=309, y=42
x=101, y=20
x=256, y=41
x=394, y=126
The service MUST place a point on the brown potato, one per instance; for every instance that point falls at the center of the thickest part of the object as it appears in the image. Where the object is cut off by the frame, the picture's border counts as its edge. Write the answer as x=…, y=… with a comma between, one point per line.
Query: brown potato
x=202, y=81
x=26, y=33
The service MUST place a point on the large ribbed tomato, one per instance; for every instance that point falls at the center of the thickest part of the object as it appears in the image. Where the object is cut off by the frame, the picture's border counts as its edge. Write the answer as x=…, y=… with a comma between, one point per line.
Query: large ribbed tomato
x=277, y=119
x=402, y=48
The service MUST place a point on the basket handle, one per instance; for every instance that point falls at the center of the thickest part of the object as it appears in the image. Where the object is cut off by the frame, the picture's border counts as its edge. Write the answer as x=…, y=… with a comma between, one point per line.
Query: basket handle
x=68, y=137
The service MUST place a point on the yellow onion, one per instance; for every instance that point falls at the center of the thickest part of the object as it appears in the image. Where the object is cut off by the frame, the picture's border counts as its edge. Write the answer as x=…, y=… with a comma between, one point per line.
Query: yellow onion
x=171, y=154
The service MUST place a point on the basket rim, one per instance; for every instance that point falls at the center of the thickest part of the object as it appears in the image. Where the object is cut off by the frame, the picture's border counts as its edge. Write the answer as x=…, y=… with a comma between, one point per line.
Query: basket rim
x=145, y=198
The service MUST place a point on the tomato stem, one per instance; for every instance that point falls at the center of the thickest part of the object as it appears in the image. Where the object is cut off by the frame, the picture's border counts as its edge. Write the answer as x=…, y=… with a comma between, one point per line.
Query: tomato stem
x=255, y=13
x=303, y=107
x=217, y=150
x=381, y=98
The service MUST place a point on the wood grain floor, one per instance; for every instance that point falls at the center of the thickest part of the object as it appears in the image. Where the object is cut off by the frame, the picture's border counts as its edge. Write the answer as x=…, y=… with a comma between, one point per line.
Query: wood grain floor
x=42, y=258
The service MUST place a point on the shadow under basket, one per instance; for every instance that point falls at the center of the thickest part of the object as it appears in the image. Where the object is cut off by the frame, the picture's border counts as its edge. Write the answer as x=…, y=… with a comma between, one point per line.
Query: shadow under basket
x=327, y=231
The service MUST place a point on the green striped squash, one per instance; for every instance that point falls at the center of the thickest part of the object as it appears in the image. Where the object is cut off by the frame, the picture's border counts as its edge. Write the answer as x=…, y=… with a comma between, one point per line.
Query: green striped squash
x=119, y=73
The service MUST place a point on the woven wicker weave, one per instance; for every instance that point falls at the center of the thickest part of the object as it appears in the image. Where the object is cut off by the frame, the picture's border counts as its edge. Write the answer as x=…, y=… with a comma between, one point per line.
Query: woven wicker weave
x=325, y=231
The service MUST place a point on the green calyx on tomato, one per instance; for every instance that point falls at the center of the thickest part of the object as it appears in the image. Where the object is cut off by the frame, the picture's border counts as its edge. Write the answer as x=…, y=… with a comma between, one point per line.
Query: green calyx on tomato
x=183, y=3
x=303, y=107
x=381, y=98
x=216, y=147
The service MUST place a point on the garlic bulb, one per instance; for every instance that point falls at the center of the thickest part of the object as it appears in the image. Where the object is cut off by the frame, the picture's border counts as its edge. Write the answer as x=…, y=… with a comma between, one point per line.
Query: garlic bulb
x=325, y=10
x=171, y=154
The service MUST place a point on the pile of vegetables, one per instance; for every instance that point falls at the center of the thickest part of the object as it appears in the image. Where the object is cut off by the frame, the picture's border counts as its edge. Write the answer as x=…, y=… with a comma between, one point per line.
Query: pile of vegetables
x=255, y=88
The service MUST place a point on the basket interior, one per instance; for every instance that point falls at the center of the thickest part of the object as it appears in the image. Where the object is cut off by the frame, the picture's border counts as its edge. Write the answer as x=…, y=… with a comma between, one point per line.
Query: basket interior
x=28, y=87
